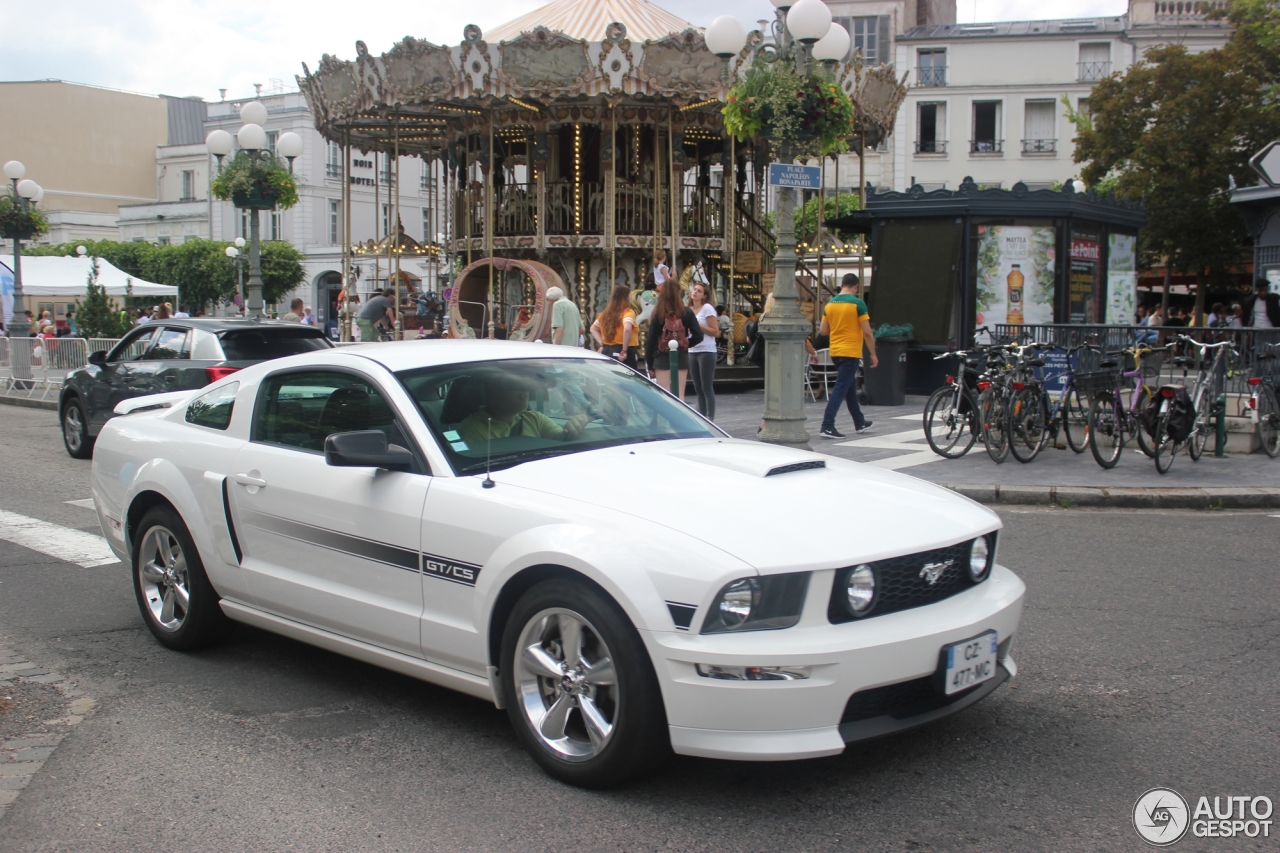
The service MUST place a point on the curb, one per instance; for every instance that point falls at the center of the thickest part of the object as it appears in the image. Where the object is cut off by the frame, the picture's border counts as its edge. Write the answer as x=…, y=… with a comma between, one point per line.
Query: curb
x=1123, y=498
x=29, y=403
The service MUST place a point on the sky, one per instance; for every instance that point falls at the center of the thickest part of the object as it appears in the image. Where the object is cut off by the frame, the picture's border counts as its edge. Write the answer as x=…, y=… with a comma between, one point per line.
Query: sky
x=196, y=47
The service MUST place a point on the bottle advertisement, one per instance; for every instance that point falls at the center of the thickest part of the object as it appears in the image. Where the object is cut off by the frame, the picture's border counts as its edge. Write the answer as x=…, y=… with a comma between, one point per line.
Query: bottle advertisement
x=1015, y=274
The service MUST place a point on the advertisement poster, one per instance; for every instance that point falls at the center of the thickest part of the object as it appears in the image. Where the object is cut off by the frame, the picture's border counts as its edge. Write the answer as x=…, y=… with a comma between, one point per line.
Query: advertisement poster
x=1122, y=279
x=1015, y=274
x=1086, y=277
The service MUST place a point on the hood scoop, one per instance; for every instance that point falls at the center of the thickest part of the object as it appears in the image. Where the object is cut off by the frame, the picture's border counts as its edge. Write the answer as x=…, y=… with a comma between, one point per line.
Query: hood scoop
x=797, y=466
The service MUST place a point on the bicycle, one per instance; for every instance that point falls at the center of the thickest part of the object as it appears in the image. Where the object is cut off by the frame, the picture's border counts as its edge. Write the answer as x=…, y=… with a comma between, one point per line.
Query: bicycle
x=1201, y=398
x=1035, y=418
x=1264, y=410
x=951, y=411
x=1111, y=421
x=993, y=405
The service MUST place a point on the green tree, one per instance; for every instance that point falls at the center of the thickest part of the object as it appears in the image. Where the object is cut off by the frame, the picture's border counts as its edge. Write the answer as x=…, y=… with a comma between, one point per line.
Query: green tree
x=1177, y=130
x=281, y=269
x=98, y=316
x=833, y=206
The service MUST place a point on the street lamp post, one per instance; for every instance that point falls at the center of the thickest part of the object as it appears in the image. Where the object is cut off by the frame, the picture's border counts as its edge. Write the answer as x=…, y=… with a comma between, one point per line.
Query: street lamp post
x=797, y=28
x=26, y=192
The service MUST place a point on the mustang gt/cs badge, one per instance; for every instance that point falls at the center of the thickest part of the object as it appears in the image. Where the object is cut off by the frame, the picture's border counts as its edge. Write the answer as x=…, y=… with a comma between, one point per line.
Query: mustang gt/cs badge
x=932, y=571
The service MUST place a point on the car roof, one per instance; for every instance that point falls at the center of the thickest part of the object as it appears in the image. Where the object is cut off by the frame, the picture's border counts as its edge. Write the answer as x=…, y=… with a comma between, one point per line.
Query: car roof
x=406, y=355
x=217, y=324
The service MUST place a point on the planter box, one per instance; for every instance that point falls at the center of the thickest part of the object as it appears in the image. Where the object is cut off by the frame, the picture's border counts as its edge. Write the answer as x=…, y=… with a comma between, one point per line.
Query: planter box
x=258, y=198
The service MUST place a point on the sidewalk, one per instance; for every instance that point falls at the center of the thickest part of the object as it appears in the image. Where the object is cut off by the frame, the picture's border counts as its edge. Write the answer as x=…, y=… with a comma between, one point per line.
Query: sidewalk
x=896, y=442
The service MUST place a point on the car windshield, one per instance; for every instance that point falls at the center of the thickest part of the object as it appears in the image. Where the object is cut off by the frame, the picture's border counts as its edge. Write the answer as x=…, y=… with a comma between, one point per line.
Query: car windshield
x=515, y=411
x=271, y=342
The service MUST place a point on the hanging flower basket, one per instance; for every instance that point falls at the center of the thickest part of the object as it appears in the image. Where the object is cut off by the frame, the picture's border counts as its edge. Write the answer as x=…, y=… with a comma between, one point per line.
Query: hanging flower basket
x=257, y=197
x=255, y=184
x=19, y=224
x=774, y=103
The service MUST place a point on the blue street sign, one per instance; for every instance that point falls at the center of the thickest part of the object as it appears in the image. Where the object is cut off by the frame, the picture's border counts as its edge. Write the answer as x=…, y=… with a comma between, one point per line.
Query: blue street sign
x=801, y=177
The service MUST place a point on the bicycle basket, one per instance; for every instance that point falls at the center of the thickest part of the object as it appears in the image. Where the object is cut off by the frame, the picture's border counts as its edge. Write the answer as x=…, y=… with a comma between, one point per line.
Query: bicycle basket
x=1152, y=364
x=1089, y=384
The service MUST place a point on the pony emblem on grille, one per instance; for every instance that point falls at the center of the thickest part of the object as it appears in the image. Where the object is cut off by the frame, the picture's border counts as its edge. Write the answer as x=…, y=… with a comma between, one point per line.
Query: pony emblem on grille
x=932, y=571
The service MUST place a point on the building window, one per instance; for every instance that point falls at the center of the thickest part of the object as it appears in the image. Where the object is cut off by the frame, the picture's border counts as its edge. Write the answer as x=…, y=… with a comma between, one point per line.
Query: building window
x=1095, y=62
x=427, y=236
x=386, y=219
x=334, y=222
x=869, y=34
x=931, y=122
x=272, y=136
x=188, y=185
x=1038, y=134
x=274, y=229
x=333, y=161
x=986, y=128
x=931, y=67
x=163, y=240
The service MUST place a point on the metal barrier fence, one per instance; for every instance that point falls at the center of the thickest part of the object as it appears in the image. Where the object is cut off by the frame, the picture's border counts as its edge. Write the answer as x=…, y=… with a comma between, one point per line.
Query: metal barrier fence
x=102, y=344
x=1248, y=343
x=31, y=364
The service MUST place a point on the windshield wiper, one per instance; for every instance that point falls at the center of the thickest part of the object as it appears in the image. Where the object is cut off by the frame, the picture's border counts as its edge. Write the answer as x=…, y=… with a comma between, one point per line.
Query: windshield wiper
x=513, y=459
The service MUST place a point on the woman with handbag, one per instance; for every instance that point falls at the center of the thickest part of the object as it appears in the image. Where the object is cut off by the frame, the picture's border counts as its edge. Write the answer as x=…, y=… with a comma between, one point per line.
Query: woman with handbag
x=671, y=321
x=615, y=327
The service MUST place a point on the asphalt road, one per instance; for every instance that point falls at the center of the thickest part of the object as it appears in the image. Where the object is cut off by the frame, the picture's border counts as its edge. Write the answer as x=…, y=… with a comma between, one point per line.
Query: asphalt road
x=1148, y=657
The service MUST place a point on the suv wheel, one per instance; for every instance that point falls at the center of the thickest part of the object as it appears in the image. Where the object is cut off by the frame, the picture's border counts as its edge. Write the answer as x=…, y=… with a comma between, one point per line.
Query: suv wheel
x=75, y=430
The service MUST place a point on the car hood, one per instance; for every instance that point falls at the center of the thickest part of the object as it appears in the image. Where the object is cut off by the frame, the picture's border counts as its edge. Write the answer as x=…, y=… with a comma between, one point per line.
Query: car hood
x=745, y=498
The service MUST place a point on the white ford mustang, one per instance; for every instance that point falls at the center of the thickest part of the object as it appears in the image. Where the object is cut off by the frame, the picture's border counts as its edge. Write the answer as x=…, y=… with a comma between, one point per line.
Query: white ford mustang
x=541, y=527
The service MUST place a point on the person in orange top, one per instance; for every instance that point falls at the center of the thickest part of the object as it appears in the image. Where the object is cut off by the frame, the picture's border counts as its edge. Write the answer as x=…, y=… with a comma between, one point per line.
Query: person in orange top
x=615, y=327
x=848, y=322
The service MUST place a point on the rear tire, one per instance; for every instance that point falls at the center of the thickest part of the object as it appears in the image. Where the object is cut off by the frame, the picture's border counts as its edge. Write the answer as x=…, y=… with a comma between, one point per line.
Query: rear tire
x=1106, y=438
x=995, y=425
x=948, y=429
x=1028, y=424
x=1145, y=442
x=1075, y=421
x=177, y=601
x=75, y=430
x=1269, y=422
x=1200, y=435
x=1166, y=447
x=585, y=730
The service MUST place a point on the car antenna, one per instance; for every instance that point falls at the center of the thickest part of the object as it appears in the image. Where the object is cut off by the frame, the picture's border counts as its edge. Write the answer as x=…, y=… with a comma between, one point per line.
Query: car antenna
x=488, y=442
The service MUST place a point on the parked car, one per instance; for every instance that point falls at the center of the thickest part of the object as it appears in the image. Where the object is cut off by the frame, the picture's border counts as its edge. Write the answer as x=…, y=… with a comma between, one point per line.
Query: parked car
x=169, y=355
x=545, y=529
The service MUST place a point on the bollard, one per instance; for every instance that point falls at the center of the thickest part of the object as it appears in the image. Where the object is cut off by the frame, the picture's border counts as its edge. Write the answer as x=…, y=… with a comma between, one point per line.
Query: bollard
x=674, y=346
x=1220, y=415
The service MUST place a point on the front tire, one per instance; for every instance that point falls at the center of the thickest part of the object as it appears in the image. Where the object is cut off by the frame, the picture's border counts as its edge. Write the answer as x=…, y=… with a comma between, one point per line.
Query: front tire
x=75, y=430
x=947, y=428
x=177, y=601
x=1166, y=447
x=1269, y=422
x=1075, y=422
x=1200, y=434
x=995, y=425
x=581, y=691
x=1028, y=424
x=1106, y=436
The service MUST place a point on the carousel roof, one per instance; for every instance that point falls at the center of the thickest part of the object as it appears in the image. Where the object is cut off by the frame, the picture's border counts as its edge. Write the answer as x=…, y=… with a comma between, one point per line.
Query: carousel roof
x=588, y=19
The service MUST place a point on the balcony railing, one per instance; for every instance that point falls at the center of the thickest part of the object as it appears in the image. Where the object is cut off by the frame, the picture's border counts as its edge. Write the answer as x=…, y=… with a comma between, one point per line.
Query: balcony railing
x=333, y=170
x=986, y=146
x=515, y=210
x=1039, y=146
x=931, y=146
x=703, y=211
x=931, y=75
x=1091, y=72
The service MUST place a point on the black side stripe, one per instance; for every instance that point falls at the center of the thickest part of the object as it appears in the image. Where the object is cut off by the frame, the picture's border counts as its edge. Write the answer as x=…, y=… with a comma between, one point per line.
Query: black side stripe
x=367, y=549
x=231, y=527
x=682, y=614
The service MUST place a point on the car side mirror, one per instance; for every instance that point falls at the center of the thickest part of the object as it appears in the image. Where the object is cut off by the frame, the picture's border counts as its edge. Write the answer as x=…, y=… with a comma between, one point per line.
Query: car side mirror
x=98, y=357
x=366, y=449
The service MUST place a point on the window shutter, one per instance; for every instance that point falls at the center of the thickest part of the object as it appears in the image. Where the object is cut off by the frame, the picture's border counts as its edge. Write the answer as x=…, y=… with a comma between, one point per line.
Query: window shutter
x=884, y=42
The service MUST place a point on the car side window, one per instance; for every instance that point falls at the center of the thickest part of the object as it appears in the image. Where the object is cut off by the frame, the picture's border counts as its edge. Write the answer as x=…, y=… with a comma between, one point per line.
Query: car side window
x=169, y=344
x=302, y=409
x=213, y=410
x=132, y=348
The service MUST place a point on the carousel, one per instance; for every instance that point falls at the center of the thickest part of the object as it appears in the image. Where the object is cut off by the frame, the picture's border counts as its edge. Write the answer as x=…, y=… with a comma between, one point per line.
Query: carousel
x=575, y=142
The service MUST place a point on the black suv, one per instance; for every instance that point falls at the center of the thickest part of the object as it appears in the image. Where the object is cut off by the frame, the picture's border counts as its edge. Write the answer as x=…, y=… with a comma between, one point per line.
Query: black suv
x=169, y=355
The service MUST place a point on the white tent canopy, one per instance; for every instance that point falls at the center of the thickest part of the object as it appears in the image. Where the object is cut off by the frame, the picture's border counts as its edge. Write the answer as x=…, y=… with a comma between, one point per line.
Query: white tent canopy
x=68, y=278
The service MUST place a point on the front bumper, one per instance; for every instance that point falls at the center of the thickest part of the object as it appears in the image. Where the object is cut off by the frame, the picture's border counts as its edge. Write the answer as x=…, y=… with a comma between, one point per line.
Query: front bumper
x=812, y=717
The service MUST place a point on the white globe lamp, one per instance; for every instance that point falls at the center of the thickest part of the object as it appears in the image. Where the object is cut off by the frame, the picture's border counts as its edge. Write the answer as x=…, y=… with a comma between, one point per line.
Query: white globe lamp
x=39, y=196
x=254, y=113
x=808, y=21
x=1078, y=186
x=219, y=143
x=232, y=252
x=834, y=46
x=253, y=138
x=784, y=5
x=239, y=242
x=726, y=36
x=289, y=145
x=14, y=170
x=81, y=251
x=28, y=189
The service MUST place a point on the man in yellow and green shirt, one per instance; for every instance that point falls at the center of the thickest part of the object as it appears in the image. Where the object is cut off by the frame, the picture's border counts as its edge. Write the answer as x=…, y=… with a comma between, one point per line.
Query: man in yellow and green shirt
x=848, y=323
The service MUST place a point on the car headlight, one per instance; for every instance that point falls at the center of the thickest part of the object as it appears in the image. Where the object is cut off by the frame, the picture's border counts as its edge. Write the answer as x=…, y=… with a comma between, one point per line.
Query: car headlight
x=860, y=590
x=981, y=556
x=758, y=604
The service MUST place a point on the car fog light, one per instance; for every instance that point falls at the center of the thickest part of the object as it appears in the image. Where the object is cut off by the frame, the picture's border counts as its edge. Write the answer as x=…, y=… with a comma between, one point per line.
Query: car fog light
x=861, y=589
x=979, y=558
x=753, y=673
x=737, y=601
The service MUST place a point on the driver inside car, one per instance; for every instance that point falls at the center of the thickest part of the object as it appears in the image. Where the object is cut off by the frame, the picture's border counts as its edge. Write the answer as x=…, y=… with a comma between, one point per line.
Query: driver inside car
x=506, y=413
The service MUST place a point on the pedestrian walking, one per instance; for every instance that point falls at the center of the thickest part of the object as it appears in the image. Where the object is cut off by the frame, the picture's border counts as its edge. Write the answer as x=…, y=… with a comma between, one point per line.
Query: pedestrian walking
x=1264, y=312
x=847, y=323
x=702, y=356
x=566, y=322
x=614, y=329
x=379, y=309
x=671, y=321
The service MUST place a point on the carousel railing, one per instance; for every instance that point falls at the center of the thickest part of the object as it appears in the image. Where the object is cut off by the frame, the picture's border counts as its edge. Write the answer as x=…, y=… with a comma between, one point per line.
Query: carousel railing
x=703, y=208
x=575, y=208
x=515, y=210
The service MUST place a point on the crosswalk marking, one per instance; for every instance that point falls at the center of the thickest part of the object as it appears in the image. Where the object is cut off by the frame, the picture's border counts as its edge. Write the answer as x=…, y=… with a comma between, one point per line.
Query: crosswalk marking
x=86, y=503
x=913, y=454
x=64, y=543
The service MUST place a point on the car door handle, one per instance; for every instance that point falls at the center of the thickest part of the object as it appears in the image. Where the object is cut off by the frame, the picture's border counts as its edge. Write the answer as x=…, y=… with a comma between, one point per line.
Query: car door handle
x=246, y=480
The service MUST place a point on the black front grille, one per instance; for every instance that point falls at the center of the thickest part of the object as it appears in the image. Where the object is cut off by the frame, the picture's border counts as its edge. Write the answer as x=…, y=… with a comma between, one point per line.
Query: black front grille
x=901, y=701
x=903, y=582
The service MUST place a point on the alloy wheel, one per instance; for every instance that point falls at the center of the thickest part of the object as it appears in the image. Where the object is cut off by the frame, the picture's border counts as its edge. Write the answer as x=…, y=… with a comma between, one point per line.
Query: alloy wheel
x=73, y=428
x=162, y=571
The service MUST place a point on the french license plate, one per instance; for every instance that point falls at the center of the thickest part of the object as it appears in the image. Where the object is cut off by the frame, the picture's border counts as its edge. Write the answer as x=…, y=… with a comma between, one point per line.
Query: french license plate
x=971, y=662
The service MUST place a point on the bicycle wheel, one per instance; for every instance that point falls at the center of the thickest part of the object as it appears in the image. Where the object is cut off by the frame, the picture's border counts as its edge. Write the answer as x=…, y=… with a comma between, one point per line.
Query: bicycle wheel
x=1166, y=447
x=995, y=425
x=1075, y=421
x=1269, y=421
x=1200, y=433
x=1028, y=424
x=1106, y=436
x=1145, y=443
x=947, y=429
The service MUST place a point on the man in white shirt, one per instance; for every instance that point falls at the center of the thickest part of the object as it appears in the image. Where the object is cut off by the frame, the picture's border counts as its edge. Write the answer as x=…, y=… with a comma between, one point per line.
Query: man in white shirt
x=1266, y=306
